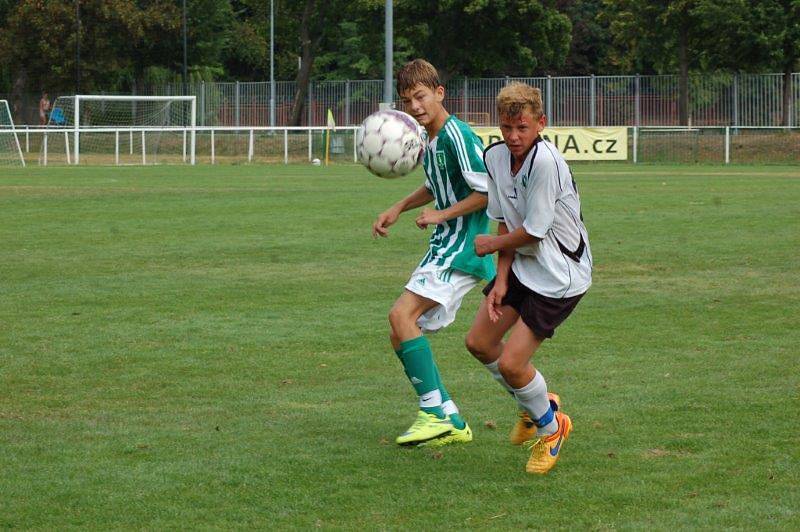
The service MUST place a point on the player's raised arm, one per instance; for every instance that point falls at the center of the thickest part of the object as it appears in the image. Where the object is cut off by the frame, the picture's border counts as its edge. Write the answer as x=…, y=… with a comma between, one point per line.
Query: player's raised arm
x=472, y=203
x=418, y=198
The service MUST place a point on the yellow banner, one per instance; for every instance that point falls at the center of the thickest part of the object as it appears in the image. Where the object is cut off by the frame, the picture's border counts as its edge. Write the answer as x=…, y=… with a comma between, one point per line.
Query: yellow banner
x=577, y=143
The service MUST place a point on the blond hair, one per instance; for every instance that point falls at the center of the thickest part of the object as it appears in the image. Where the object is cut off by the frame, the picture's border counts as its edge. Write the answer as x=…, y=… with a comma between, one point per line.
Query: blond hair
x=417, y=72
x=515, y=97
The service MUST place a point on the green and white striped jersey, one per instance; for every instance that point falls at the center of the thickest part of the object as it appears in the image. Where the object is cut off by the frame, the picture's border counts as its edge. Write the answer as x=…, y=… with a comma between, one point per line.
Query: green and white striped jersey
x=454, y=169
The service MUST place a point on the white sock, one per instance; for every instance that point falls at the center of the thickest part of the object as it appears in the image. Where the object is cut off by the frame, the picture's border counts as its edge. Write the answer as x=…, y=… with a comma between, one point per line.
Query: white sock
x=533, y=398
x=449, y=408
x=495, y=371
x=430, y=399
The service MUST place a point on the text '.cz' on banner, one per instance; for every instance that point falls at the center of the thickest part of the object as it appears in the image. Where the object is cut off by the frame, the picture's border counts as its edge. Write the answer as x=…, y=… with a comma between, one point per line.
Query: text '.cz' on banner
x=577, y=143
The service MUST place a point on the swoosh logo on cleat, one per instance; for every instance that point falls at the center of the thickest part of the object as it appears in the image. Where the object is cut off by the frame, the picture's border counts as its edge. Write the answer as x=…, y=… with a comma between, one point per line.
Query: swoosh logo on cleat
x=554, y=450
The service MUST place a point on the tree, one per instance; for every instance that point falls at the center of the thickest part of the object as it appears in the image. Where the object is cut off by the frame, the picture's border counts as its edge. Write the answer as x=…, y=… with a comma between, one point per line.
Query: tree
x=754, y=35
x=591, y=39
x=650, y=35
x=487, y=38
x=787, y=22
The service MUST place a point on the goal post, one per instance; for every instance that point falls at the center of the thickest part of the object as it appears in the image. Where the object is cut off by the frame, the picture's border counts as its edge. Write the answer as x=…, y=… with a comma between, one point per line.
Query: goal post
x=92, y=117
x=10, y=149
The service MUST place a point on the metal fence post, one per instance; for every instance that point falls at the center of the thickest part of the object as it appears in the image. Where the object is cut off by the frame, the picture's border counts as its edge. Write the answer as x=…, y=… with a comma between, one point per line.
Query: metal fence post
x=548, y=98
x=310, y=103
x=592, y=98
x=736, y=99
x=464, y=104
x=638, y=101
x=727, y=145
x=790, y=122
x=237, y=104
x=202, y=103
x=347, y=102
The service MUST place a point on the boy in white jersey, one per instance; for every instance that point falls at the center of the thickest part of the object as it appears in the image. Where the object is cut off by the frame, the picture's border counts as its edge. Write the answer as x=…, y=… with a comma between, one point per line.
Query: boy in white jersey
x=544, y=267
x=456, y=182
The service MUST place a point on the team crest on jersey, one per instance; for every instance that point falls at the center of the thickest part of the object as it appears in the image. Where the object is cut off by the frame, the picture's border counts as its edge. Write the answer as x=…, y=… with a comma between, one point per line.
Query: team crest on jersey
x=440, y=160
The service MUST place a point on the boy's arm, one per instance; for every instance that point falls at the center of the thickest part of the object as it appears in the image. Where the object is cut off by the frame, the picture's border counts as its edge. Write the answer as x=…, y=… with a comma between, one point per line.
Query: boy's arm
x=487, y=244
x=474, y=202
x=418, y=198
x=541, y=194
x=495, y=298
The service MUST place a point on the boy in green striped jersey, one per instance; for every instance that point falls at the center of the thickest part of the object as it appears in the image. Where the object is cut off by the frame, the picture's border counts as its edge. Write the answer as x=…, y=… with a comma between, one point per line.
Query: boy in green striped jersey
x=456, y=181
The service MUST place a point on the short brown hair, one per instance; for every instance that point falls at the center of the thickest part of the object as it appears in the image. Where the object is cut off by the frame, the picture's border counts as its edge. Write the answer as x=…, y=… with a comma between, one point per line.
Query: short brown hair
x=417, y=72
x=516, y=97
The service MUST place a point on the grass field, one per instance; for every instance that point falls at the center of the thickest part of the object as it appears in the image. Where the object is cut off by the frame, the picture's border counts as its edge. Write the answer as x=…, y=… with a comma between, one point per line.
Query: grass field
x=207, y=348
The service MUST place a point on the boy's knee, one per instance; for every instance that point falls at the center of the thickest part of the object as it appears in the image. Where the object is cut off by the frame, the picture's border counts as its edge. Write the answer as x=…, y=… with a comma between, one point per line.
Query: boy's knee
x=478, y=347
x=474, y=344
x=399, y=319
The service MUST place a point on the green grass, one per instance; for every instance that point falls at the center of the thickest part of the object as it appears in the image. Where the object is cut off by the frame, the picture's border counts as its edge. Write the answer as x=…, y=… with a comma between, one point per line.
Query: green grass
x=207, y=348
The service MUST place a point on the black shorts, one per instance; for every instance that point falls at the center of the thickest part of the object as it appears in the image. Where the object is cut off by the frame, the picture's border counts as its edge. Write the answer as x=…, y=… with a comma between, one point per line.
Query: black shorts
x=541, y=313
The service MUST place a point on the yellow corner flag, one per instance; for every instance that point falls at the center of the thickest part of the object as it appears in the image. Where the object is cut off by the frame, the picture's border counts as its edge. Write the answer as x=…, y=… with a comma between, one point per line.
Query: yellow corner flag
x=331, y=126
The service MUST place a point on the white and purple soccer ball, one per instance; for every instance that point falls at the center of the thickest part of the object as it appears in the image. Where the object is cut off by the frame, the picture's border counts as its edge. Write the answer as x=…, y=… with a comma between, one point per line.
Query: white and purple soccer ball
x=390, y=143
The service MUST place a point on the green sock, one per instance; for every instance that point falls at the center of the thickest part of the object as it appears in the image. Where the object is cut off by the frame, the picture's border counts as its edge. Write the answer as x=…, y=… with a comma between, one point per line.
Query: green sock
x=417, y=360
x=399, y=353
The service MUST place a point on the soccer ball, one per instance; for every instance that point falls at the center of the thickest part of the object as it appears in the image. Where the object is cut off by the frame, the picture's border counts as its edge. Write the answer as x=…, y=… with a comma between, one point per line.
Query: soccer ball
x=390, y=143
x=316, y=162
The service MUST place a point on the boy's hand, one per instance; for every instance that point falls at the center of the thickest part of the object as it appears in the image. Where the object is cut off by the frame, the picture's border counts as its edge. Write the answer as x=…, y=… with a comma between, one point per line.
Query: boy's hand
x=385, y=219
x=495, y=300
x=429, y=217
x=484, y=245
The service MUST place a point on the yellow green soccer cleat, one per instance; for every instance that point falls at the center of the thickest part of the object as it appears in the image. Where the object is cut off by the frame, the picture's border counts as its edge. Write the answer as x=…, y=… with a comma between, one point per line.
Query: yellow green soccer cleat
x=425, y=428
x=525, y=428
x=546, y=451
x=456, y=436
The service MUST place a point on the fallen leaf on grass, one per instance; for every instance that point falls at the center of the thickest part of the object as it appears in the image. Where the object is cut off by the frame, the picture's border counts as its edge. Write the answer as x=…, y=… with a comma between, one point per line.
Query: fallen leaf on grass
x=490, y=424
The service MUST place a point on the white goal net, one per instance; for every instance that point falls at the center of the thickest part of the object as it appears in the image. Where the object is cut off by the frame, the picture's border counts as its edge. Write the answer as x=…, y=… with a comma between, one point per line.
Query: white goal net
x=10, y=151
x=98, y=129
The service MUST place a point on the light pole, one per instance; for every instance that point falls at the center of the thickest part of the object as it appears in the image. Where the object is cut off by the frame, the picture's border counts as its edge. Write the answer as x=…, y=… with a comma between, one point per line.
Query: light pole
x=271, y=63
x=185, y=68
x=77, y=47
x=387, y=76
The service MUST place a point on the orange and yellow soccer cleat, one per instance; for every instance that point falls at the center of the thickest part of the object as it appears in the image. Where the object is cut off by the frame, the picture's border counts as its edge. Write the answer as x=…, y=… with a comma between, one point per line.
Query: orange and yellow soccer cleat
x=545, y=451
x=525, y=429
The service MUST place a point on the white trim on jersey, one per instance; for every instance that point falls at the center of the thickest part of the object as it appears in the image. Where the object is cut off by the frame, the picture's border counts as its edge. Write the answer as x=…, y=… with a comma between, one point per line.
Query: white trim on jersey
x=476, y=180
x=458, y=142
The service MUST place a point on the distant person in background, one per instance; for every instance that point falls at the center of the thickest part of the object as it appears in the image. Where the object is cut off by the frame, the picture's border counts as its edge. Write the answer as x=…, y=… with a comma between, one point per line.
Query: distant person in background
x=44, y=109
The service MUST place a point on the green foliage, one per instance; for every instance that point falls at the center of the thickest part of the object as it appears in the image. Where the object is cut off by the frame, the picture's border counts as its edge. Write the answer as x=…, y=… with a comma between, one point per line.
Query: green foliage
x=591, y=40
x=129, y=42
x=748, y=36
x=482, y=38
